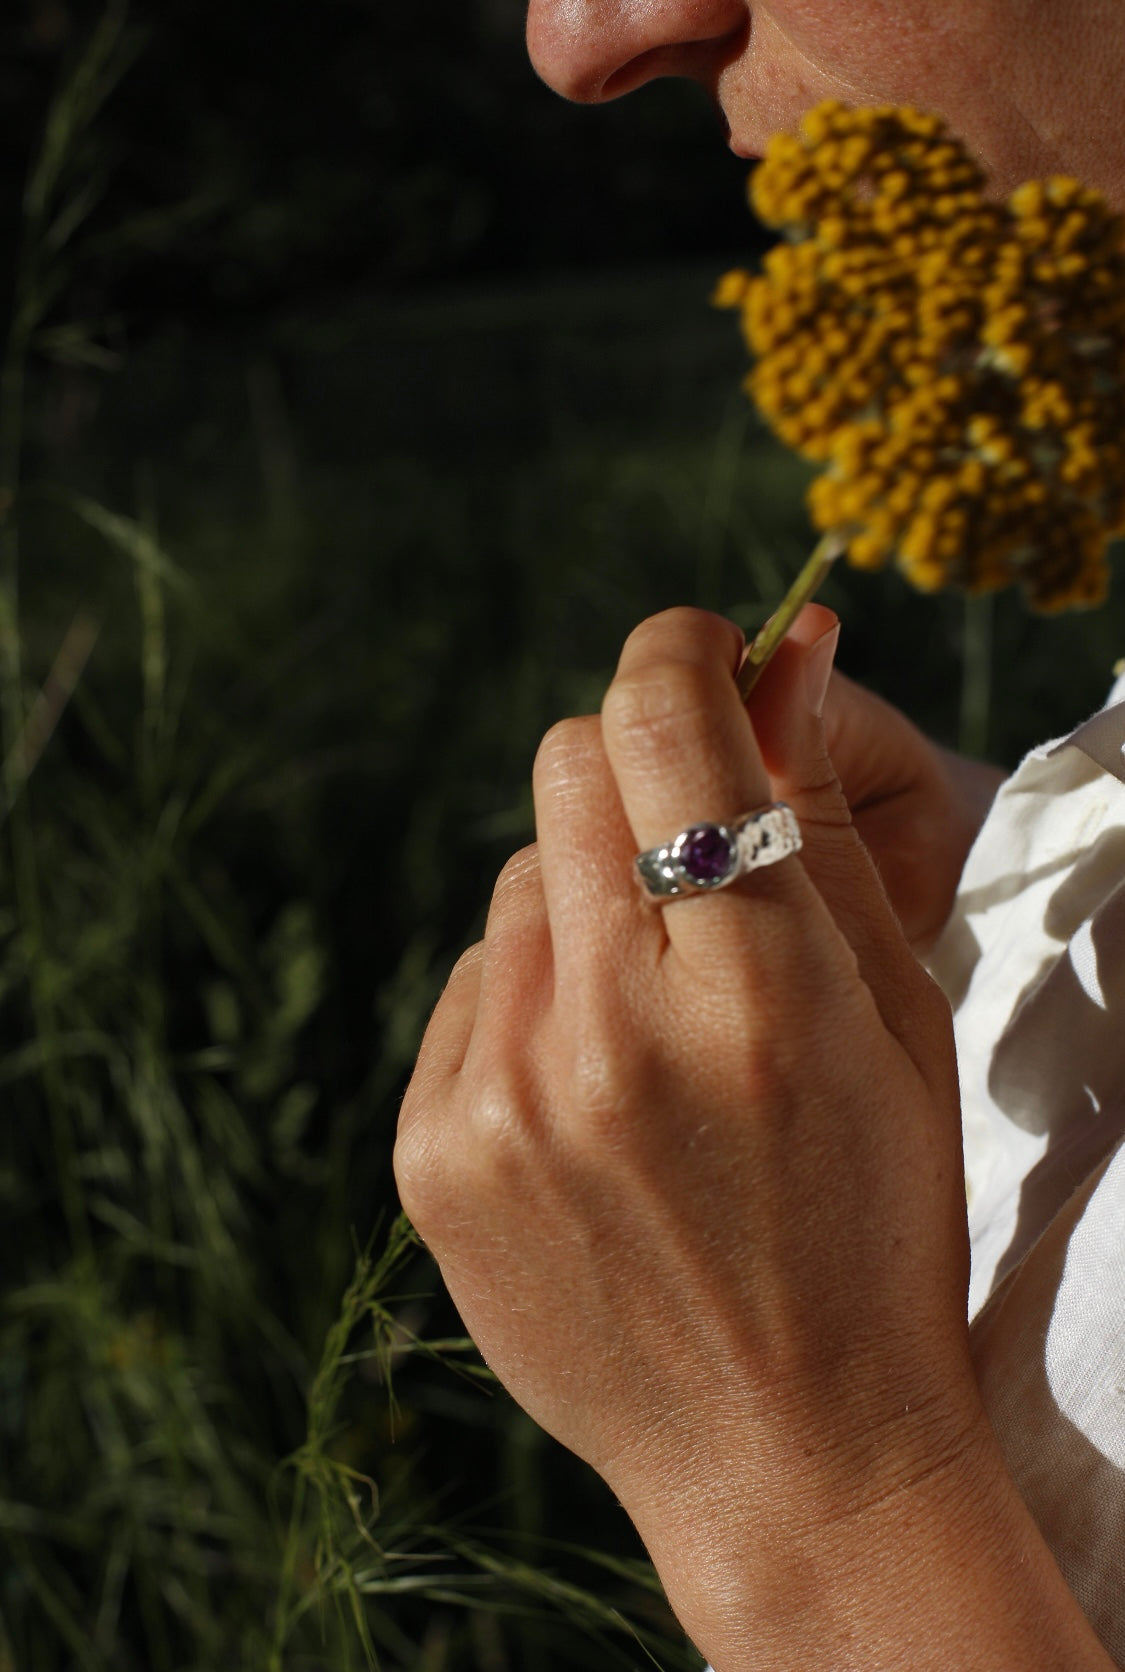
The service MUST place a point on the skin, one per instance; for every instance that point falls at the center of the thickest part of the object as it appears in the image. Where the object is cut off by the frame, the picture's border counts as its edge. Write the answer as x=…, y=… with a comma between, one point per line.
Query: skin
x=693, y=1175
x=765, y=63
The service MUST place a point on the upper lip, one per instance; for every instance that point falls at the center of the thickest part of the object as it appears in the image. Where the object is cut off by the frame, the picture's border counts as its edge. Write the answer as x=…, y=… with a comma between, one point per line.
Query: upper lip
x=749, y=153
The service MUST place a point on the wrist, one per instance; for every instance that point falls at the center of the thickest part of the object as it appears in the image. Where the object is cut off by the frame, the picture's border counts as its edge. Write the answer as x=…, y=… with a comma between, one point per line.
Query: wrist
x=766, y=1556
x=926, y=1561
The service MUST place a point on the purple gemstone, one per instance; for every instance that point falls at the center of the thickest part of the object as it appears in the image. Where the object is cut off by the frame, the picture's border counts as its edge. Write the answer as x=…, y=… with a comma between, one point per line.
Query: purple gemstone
x=705, y=853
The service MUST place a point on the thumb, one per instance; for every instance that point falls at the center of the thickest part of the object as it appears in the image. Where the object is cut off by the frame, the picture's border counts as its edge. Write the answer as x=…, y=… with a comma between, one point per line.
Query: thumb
x=786, y=712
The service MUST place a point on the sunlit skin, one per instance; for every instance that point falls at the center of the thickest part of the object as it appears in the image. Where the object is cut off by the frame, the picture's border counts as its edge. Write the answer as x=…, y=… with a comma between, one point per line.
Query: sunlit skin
x=693, y=1175
x=764, y=64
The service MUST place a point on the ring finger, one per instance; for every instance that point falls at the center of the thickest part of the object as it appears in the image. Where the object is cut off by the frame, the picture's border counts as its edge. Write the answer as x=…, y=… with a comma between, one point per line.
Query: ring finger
x=683, y=751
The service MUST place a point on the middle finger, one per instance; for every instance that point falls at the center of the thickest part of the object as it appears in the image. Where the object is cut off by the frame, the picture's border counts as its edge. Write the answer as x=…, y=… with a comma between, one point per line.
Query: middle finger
x=683, y=752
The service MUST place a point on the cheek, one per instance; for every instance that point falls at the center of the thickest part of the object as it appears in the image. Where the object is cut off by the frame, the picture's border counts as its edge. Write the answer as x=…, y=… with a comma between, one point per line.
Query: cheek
x=881, y=49
x=803, y=51
x=939, y=55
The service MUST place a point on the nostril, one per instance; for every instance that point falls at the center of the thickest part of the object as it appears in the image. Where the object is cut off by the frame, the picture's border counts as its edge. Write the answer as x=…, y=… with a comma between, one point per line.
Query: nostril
x=594, y=50
x=647, y=66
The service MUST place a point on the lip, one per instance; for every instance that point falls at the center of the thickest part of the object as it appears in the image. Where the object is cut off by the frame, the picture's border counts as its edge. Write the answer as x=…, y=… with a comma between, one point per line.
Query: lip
x=748, y=152
x=739, y=148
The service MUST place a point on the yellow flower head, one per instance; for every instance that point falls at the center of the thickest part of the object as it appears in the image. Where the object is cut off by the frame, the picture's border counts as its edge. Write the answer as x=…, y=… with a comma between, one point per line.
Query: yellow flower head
x=958, y=365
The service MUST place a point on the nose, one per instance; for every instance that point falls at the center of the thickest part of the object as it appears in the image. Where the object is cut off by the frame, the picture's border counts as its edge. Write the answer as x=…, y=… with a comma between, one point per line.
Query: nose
x=593, y=50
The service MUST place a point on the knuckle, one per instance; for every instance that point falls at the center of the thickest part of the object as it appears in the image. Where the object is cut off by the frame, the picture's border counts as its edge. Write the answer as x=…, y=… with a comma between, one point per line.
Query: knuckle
x=565, y=751
x=503, y=1135
x=664, y=705
x=419, y=1174
x=515, y=873
x=835, y=856
x=821, y=797
x=517, y=940
x=501, y=1119
x=467, y=968
x=684, y=626
x=477, y=1150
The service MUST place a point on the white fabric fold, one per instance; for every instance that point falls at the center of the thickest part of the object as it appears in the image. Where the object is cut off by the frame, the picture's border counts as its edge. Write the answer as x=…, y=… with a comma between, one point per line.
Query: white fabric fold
x=1033, y=961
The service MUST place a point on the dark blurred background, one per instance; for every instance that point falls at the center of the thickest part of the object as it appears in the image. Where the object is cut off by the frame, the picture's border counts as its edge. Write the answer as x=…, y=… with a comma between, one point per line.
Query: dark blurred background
x=359, y=395
x=263, y=155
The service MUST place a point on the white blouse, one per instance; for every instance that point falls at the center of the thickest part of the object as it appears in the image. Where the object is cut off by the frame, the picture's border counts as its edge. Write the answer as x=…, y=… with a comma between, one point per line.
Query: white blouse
x=1033, y=962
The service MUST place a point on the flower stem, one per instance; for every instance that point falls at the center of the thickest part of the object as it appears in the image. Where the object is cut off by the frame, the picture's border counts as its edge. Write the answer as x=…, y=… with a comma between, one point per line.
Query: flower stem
x=976, y=676
x=824, y=554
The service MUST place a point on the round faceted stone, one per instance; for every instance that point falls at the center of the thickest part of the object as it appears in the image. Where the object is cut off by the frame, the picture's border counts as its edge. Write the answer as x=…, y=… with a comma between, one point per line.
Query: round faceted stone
x=706, y=853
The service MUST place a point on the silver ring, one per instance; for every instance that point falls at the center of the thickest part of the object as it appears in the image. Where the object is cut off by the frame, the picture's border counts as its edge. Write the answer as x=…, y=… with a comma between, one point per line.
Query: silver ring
x=708, y=856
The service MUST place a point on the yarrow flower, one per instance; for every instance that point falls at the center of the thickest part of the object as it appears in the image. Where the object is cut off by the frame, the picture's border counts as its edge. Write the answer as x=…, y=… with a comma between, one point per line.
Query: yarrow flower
x=956, y=364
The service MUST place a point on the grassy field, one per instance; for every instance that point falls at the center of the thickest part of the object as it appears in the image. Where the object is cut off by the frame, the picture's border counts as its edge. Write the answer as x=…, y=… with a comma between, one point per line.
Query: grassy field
x=340, y=580
x=333, y=584
x=285, y=611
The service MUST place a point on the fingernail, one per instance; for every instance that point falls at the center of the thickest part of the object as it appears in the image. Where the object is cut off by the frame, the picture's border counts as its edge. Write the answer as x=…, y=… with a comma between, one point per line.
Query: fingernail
x=818, y=669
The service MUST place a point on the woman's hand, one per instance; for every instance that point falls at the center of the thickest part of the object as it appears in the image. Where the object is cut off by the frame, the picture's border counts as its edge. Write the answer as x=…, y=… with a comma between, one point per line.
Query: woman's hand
x=693, y=1177
x=917, y=806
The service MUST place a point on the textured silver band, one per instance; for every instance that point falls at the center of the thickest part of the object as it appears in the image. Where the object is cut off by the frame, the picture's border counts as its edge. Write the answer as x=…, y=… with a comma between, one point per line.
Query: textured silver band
x=705, y=857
